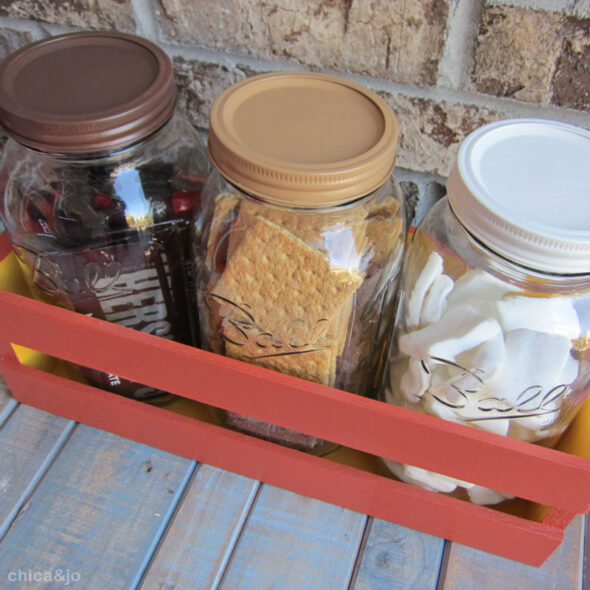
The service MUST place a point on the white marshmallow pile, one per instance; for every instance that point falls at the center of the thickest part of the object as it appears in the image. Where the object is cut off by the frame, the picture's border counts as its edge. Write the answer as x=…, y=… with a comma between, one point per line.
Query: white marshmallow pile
x=482, y=352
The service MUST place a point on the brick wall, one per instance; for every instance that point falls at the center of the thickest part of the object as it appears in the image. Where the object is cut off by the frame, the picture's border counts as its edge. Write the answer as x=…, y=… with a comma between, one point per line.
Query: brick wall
x=445, y=66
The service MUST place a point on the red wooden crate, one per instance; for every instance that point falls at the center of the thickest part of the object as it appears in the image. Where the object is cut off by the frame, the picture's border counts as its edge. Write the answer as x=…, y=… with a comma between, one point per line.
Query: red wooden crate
x=556, y=479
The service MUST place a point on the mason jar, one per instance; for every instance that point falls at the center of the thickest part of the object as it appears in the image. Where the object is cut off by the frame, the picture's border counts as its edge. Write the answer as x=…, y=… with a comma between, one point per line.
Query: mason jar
x=98, y=181
x=300, y=234
x=493, y=329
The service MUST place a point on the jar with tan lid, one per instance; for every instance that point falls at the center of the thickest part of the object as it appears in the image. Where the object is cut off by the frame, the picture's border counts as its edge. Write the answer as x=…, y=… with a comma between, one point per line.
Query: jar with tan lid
x=98, y=181
x=300, y=233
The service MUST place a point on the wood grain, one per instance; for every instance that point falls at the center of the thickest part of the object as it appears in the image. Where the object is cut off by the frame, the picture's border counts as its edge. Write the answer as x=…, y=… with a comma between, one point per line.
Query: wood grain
x=200, y=539
x=96, y=512
x=7, y=403
x=29, y=440
x=470, y=569
x=397, y=558
x=291, y=541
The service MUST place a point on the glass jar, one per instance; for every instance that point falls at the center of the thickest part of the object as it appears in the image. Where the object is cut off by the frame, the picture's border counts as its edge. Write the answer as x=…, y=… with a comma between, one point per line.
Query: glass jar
x=98, y=181
x=300, y=234
x=494, y=327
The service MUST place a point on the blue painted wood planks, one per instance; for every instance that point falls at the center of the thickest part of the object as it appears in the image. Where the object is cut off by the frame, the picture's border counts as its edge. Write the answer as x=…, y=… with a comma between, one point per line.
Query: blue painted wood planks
x=7, y=403
x=95, y=512
x=291, y=541
x=471, y=569
x=29, y=441
x=201, y=536
x=397, y=558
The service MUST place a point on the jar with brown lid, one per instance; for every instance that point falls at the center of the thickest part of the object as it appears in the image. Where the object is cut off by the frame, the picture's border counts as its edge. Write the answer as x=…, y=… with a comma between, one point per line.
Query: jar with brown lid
x=300, y=233
x=98, y=182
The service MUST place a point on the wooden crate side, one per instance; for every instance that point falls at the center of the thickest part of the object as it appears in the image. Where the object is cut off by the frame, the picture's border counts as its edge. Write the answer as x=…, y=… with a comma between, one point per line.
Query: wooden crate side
x=442, y=516
x=545, y=476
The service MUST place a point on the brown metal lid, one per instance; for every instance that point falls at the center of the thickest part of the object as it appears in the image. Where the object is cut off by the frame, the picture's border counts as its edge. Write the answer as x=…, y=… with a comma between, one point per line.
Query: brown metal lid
x=303, y=139
x=86, y=92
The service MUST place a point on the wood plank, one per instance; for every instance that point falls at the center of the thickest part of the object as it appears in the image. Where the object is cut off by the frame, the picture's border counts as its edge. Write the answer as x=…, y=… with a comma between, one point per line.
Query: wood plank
x=470, y=569
x=201, y=537
x=29, y=441
x=7, y=403
x=397, y=558
x=97, y=511
x=291, y=541
x=4, y=393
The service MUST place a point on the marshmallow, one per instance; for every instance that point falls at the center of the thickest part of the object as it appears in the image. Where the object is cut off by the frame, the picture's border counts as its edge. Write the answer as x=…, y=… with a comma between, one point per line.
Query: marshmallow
x=429, y=480
x=432, y=269
x=520, y=433
x=582, y=307
x=485, y=354
x=496, y=425
x=552, y=315
x=430, y=403
x=466, y=410
x=550, y=402
x=459, y=329
x=487, y=358
x=480, y=290
x=482, y=495
x=570, y=371
x=415, y=381
x=435, y=300
x=532, y=359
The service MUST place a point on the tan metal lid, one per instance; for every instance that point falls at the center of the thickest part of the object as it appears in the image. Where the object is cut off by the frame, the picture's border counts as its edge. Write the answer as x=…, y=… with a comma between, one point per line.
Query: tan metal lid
x=303, y=139
x=86, y=92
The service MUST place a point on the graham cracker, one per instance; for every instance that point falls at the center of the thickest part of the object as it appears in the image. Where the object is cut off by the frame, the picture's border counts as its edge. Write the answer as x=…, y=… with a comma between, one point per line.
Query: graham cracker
x=291, y=289
x=287, y=297
x=340, y=234
x=383, y=230
x=224, y=213
x=312, y=364
x=338, y=331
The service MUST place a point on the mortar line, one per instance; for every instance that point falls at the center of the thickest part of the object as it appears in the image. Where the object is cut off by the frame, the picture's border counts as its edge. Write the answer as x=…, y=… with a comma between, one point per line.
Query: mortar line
x=146, y=22
x=456, y=63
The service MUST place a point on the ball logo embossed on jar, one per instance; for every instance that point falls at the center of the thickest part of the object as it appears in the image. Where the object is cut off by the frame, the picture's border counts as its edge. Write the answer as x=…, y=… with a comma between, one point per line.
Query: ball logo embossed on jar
x=463, y=393
x=241, y=329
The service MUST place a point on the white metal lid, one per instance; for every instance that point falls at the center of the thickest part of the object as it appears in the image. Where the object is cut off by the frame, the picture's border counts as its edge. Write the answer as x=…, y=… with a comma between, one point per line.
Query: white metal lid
x=522, y=187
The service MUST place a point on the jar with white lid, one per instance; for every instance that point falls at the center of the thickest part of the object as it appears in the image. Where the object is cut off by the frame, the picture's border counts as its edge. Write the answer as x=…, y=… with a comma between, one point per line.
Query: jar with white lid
x=300, y=233
x=493, y=330
x=98, y=180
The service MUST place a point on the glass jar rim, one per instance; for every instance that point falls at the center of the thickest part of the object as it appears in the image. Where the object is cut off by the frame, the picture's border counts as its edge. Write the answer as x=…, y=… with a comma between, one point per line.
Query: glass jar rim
x=520, y=186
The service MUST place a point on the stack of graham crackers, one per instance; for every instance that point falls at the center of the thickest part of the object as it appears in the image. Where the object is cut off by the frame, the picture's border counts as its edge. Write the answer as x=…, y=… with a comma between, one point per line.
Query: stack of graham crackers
x=284, y=283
